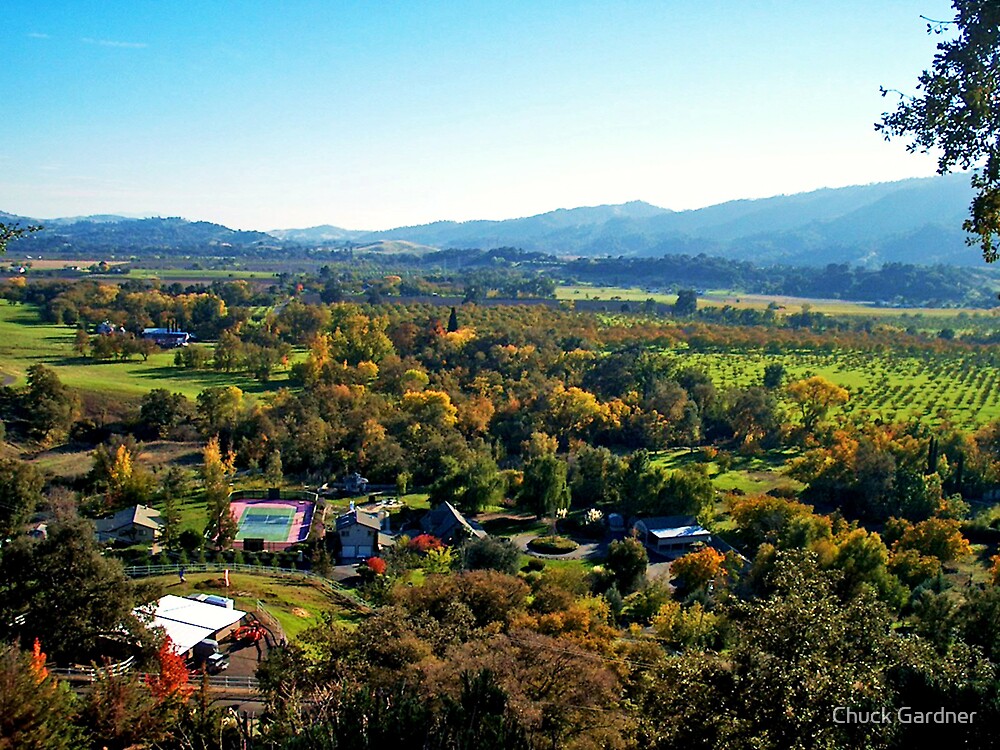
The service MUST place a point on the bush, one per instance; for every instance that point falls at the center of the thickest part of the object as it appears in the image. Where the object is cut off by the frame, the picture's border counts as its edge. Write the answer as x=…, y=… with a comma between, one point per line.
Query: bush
x=490, y=553
x=552, y=545
x=534, y=565
x=627, y=560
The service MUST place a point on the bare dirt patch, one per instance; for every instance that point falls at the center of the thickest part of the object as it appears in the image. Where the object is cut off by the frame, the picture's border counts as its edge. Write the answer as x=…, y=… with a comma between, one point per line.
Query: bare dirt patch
x=165, y=453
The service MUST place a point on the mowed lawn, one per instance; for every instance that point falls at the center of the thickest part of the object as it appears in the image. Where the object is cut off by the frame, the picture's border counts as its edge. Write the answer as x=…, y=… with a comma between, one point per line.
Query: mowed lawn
x=25, y=341
x=296, y=602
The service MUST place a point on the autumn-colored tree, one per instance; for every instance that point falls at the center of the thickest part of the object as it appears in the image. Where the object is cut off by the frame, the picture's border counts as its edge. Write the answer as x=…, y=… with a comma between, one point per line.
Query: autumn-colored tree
x=172, y=681
x=439, y=560
x=764, y=518
x=357, y=337
x=573, y=411
x=215, y=473
x=815, y=397
x=433, y=408
x=698, y=569
x=424, y=543
x=119, y=475
x=36, y=710
x=686, y=627
x=935, y=537
x=912, y=568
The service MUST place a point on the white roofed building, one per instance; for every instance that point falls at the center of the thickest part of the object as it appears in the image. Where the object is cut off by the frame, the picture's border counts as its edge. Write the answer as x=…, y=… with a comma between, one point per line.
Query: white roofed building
x=190, y=621
x=671, y=534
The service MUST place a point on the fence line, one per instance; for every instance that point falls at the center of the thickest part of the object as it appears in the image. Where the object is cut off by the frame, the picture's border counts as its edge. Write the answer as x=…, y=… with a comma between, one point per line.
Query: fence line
x=83, y=674
x=116, y=668
x=142, y=571
x=269, y=621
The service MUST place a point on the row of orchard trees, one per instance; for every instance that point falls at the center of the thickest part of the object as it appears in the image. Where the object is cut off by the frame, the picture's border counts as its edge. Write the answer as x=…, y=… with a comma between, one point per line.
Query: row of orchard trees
x=400, y=395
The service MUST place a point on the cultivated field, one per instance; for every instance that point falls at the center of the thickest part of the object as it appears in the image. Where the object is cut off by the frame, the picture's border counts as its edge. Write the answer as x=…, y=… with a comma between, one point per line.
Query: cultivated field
x=931, y=387
x=786, y=305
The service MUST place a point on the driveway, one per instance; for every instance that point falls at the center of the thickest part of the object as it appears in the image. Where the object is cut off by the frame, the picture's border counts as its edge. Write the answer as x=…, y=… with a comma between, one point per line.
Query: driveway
x=588, y=549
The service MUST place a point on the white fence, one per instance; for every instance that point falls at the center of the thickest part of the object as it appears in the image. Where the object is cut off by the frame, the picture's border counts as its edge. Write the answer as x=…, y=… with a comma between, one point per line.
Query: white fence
x=217, y=682
x=92, y=672
x=269, y=621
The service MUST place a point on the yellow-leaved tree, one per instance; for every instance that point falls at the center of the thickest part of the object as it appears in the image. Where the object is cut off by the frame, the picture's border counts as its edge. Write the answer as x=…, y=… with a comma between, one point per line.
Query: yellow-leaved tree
x=215, y=473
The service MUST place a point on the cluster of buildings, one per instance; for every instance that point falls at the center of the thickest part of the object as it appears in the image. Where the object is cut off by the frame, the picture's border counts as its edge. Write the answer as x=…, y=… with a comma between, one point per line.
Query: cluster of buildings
x=167, y=338
x=362, y=534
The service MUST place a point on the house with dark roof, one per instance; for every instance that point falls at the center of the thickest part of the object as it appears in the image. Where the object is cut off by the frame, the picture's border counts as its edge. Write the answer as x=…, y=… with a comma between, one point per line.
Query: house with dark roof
x=140, y=523
x=671, y=535
x=361, y=535
x=166, y=338
x=446, y=523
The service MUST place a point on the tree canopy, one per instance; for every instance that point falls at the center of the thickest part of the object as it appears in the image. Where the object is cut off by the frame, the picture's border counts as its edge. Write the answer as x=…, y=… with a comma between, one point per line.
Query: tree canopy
x=957, y=112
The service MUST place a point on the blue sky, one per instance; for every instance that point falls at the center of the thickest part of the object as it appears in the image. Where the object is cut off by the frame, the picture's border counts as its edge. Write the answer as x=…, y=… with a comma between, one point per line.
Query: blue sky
x=370, y=115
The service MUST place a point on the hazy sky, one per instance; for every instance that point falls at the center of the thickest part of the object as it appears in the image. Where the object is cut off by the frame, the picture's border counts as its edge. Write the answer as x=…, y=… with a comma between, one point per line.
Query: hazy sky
x=371, y=114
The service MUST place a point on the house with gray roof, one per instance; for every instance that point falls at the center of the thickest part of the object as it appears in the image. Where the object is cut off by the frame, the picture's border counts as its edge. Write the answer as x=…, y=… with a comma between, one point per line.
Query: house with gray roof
x=361, y=535
x=446, y=523
x=137, y=524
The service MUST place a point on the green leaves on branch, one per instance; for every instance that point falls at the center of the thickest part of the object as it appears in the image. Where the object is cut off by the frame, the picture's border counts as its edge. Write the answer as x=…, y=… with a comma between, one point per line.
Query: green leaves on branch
x=957, y=113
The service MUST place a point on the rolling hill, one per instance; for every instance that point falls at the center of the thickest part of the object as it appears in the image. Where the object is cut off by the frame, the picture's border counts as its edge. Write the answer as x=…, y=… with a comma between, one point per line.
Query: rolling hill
x=913, y=221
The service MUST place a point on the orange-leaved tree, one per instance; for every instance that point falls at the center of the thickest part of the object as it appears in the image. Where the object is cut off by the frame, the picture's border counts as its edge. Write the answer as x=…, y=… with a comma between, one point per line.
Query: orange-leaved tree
x=173, y=680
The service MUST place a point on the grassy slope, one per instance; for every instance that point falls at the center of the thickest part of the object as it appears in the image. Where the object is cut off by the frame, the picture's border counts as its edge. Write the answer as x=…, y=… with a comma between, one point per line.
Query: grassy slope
x=281, y=596
x=25, y=341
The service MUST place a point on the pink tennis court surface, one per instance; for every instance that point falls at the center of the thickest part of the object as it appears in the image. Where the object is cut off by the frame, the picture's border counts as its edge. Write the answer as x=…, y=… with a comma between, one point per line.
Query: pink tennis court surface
x=278, y=522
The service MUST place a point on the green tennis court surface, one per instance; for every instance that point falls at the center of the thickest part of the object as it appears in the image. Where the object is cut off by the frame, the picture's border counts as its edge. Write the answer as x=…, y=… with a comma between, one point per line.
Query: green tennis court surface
x=272, y=524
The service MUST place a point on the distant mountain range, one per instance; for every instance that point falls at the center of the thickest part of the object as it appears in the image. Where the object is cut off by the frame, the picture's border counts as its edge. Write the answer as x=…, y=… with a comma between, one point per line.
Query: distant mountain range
x=912, y=221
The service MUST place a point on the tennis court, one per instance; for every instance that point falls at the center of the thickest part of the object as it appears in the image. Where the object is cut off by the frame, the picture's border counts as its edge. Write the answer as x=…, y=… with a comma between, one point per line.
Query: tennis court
x=269, y=524
x=280, y=521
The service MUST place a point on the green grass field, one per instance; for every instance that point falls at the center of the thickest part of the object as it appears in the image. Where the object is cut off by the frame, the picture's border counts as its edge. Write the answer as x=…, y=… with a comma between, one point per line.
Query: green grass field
x=26, y=341
x=723, y=297
x=183, y=274
x=296, y=602
x=748, y=474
